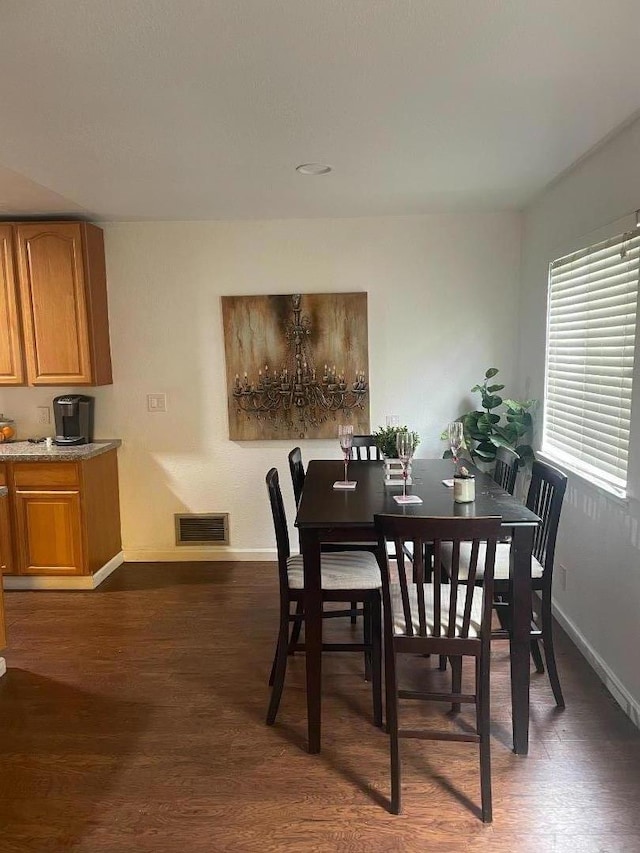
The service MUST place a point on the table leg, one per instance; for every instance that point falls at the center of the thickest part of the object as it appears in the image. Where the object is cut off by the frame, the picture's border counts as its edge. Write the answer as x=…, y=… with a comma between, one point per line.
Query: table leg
x=520, y=575
x=310, y=547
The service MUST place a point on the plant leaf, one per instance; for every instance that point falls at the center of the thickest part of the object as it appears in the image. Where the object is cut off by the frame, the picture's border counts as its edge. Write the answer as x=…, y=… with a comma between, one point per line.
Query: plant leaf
x=491, y=401
x=526, y=454
x=493, y=388
x=486, y=450
x=491, y=372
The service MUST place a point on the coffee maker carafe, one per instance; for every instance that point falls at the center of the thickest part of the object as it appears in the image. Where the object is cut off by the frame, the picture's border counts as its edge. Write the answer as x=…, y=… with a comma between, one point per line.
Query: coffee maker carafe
x=74, y=419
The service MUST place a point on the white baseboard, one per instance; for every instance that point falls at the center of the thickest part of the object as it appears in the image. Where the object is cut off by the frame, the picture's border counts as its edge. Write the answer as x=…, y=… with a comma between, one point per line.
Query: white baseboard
x=629, y=705
x=188, y=554
x=25, y=582
x=3, y=667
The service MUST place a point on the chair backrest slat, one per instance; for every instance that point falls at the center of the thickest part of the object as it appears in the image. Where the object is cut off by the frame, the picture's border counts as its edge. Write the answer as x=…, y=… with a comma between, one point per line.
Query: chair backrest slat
x=404, y=591
x=471, y=580
x=364, y=448
x=418, y=568
x=434, y=532
x=453, y=597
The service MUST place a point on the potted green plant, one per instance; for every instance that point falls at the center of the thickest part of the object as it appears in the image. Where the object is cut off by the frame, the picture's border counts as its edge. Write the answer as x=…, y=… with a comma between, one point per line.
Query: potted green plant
x=500, y=423
x=386, y=440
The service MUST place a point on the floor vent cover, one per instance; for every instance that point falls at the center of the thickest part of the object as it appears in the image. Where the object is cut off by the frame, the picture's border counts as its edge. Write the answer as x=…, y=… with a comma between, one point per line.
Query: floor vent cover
x=202, y=528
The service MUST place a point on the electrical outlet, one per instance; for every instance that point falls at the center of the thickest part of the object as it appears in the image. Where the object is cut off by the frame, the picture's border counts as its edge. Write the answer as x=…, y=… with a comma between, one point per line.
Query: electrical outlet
x=156, y=402
x=562, y=572
x=44, y=415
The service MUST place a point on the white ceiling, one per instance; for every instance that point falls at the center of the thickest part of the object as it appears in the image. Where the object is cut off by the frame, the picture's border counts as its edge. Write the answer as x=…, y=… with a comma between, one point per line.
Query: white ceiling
x=201, y=109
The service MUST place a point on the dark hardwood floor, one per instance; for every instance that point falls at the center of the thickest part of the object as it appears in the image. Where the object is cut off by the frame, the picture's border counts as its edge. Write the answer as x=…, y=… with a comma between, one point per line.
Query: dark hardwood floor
x=132, y=719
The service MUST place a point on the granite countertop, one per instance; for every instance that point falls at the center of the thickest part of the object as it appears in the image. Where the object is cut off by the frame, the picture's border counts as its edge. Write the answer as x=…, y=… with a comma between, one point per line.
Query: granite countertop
x=24, y=451
x=3, y=491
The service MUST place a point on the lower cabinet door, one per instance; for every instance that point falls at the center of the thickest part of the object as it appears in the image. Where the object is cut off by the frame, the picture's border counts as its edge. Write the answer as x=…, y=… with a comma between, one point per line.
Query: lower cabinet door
x=49, y=532
x=6, y=566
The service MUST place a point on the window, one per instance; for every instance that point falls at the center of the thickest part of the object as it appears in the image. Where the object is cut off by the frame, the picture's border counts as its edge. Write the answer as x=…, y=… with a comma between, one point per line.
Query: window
x=591, y=325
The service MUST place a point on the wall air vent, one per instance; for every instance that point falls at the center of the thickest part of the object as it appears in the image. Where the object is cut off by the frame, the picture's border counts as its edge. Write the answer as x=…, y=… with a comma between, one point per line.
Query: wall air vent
x=202, y=528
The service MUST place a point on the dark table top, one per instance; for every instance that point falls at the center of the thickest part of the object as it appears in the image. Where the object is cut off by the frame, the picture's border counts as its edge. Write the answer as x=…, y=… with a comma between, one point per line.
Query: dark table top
x=322, y=506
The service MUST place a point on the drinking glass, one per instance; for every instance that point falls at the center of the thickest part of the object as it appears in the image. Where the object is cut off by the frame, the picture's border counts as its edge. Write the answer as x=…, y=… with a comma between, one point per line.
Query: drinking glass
x=405, y=445
x=345, y=435
x=456, y=440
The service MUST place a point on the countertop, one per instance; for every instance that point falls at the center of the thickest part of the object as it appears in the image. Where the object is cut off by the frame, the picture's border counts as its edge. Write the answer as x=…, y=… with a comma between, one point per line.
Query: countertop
x=24, y=451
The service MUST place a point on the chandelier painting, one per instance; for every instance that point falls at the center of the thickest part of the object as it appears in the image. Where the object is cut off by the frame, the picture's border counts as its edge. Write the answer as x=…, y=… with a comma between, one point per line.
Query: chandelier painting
x=297, y=365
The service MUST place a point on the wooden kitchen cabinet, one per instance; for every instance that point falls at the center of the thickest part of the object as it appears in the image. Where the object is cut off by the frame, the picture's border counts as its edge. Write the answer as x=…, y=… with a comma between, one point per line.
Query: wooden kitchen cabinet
x=66, y=517
x=11, y=354
x=4, y=503
x=57, y=330
x=63, y=294
x=6, y=561
x=3, y=632
x=49, y=531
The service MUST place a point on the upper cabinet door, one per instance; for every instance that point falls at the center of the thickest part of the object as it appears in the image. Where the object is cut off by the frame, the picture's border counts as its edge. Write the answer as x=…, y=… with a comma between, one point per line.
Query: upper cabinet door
x=11, y=363
x=54, y=305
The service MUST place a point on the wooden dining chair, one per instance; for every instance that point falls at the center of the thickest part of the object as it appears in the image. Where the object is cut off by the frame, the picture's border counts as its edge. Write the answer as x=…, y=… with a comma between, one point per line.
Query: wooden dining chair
x=347, y=576
x=545, y=497
x=506, y=468
x=296, y=468
x=365, y=449
x=443, y=617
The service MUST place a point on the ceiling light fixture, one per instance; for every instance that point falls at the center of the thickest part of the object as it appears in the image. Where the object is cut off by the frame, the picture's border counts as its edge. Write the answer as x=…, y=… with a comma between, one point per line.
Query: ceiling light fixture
x=313, y=169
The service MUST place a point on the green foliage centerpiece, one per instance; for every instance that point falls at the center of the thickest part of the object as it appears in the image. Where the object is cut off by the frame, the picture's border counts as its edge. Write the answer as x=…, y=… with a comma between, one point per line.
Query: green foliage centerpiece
x=386, y=439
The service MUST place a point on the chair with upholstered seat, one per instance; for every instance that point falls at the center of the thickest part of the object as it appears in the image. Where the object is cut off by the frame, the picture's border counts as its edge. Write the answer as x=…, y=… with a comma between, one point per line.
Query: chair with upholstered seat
x=347, y=576
x=545, y=498
x=506, y=468
x=443, y=617
x=296, y=468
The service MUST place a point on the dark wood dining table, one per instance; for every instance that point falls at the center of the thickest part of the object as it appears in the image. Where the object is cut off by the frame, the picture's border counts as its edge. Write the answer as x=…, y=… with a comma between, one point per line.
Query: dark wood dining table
x=328, y=515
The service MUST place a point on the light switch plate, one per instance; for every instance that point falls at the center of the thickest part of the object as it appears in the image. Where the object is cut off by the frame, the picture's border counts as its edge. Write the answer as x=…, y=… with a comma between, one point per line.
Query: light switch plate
x=156, y=402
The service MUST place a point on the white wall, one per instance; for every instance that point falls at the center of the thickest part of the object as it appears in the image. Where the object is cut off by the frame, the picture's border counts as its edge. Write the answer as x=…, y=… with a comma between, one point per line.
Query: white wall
x=443, y=294
x=599, y=540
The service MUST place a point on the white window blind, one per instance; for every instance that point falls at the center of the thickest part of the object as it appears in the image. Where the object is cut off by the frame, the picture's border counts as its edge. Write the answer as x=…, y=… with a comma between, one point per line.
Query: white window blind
x=591, y=326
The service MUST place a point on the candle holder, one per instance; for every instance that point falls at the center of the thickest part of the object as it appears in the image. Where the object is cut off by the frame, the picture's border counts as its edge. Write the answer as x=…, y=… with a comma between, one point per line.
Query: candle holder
x=464, y=487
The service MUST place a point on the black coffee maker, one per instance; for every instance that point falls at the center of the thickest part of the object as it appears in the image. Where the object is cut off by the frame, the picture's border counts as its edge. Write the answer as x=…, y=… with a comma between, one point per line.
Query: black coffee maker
x=74, y=419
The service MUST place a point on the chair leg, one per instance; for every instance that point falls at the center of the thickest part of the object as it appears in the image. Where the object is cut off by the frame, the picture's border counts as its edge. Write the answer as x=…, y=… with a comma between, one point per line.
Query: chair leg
x=272, y=674
x=483, y=698
x=392, y=724
x=549, y=653
x=354, y=615
x=456, y=680
x=536, y=655
x=295, y=631
x=280, y=669
x=366, y=630
x=376, y=661
x=442, y=663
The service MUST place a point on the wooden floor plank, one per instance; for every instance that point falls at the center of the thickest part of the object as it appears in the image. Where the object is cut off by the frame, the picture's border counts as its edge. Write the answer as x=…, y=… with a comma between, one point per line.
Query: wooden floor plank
x=130, y=721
